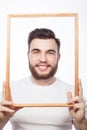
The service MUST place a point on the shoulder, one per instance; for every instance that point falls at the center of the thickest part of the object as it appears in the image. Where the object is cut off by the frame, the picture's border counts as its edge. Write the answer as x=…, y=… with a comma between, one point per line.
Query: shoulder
x=63, y=83
x=21, y=82
x=64, y=86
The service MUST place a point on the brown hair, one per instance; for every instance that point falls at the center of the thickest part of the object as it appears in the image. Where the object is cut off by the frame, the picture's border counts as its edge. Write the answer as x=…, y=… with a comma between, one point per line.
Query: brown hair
x=43, y=33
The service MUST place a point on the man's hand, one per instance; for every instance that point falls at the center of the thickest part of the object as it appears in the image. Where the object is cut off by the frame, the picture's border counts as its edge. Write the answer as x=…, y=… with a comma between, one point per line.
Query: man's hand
x=78, y=109
x=6, y=111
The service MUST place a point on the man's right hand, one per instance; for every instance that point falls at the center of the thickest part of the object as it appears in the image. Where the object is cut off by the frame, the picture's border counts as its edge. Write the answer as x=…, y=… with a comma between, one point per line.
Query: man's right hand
x=5, y=111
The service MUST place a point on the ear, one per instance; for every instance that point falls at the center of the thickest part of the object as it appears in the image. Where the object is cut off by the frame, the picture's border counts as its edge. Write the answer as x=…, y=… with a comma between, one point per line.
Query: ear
x=28, y=55
x=59, y=56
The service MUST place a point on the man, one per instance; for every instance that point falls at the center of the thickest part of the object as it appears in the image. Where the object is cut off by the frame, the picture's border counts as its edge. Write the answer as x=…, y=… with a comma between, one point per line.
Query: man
x=42, y=86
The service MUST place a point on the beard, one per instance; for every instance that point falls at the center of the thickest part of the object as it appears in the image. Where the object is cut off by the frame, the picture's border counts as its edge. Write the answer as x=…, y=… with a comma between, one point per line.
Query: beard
x=42, y=76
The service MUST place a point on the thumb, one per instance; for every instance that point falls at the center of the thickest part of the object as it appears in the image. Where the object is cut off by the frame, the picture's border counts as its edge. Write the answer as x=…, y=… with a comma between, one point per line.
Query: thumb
x=80, y=89
x=6, y=92
x=69, y=96
x=3, y=90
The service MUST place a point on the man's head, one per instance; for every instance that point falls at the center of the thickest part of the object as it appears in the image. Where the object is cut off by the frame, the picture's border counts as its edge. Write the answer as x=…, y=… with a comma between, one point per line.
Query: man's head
x=43, y=33
x=43, y=53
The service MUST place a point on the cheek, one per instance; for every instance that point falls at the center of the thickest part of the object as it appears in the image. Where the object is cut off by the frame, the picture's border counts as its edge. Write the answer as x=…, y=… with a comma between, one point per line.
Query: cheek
x=53, y=61
x=32, y=60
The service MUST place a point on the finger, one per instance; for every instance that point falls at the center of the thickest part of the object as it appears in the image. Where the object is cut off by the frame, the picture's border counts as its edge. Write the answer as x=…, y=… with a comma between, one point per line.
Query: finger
x=79, y=106
x=3, y=90
x=69, y=96
x=6, y=92
x=6, y=103
x=6, y=109
x=76, y=99
x=80, y=89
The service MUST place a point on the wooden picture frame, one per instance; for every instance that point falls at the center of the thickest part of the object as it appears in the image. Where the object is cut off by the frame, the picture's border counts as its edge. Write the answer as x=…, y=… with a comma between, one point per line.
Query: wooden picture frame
x=7, y=89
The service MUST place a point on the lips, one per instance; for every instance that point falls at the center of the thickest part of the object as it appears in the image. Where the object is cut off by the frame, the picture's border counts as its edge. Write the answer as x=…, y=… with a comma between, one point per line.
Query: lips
x=42, y=67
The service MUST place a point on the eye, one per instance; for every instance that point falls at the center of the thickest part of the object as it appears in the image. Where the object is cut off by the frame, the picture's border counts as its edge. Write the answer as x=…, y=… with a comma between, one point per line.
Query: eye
x=35, y=52
x=51, y=52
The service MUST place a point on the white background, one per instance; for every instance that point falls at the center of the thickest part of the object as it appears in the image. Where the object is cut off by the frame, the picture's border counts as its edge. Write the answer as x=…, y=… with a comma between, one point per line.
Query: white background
x=64, y=28
x=45, y=6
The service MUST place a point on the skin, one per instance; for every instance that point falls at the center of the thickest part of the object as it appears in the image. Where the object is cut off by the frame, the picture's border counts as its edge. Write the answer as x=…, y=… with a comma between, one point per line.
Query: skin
x=78, y=109
x=42, y=55
x=43, y=59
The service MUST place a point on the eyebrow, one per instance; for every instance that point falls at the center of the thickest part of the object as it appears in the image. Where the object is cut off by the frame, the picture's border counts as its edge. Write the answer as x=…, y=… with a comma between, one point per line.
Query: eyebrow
x=35, y=49
x=50, y=50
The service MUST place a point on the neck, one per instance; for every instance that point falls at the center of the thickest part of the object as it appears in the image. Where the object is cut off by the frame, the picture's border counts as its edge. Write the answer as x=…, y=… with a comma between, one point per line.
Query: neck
x=43, y=82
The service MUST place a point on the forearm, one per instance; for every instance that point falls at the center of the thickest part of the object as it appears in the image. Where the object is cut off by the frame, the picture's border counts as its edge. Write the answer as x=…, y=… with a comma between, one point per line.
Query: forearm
x=81, y=125
x=3, y=123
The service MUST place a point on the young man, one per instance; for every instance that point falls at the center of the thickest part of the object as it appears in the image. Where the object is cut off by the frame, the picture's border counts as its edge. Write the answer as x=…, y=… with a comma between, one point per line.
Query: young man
x=43, y=87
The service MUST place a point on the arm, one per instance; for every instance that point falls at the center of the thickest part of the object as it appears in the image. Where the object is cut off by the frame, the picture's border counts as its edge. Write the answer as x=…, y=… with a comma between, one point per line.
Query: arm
x=80, y=125
x=5, y=111
x=78, y=109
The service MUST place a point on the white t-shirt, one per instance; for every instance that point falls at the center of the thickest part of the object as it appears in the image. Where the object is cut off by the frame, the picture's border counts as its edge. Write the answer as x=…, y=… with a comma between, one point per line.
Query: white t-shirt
x=41, y=118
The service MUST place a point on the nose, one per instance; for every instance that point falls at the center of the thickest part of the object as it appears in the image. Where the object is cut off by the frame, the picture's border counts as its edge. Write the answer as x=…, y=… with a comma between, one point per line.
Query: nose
x=43, y=57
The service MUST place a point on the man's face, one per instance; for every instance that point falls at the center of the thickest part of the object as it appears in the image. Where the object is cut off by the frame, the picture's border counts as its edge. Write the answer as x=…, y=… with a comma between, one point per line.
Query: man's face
x=43, y=58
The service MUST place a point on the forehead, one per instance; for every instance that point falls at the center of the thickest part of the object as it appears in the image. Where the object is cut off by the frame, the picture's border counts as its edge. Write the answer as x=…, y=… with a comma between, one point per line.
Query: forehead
x=43, y=44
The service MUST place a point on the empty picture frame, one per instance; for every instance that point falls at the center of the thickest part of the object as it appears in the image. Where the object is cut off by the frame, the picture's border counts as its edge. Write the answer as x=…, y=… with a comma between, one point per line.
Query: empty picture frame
x=19, y=25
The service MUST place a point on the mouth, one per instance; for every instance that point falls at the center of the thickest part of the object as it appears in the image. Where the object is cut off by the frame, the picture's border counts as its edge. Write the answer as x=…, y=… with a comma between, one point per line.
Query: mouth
x=42, y=67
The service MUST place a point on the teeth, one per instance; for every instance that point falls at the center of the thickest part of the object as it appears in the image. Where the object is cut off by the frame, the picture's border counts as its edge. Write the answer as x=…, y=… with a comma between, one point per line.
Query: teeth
x=43, y=67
